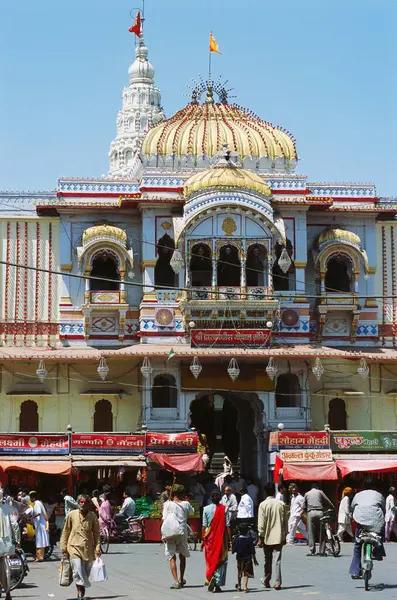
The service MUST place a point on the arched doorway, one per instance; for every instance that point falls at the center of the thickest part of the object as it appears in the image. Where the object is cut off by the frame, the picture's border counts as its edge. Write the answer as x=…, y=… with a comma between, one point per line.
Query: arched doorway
x=105, y=265
x=338, y=277
x=103, y=416
x=337, y=417
x=164, y=275
x=230, y=420
x=29, y=416
x=201, y=266
x=229, y=270
x=256, y=266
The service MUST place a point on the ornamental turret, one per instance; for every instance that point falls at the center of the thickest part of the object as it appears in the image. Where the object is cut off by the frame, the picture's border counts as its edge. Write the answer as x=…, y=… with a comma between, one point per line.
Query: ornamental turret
x=141, y=108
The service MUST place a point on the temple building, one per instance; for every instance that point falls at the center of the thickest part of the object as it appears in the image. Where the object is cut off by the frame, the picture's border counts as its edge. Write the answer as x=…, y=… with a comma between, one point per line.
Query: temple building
x=214, y=284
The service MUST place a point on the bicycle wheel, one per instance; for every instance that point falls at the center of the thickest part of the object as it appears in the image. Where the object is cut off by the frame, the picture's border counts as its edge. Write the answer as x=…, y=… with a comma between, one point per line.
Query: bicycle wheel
x=366, y=577
x=104, y=541
x=335, y=545
x=191, y=540
x=135, y=532
x=17, y=572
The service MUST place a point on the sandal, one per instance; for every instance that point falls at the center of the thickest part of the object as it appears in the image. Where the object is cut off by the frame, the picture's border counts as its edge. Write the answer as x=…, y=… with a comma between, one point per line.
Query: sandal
x=176, y=586
x=183, y=582
x=238, y=587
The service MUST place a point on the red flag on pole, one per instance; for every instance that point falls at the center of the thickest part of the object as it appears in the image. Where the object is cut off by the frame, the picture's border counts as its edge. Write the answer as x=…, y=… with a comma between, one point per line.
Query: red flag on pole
x=136, y=27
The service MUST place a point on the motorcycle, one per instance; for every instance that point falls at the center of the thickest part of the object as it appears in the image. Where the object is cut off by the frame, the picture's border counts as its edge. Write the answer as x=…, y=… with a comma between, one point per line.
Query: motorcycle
x=130, y=530
x=28, y=545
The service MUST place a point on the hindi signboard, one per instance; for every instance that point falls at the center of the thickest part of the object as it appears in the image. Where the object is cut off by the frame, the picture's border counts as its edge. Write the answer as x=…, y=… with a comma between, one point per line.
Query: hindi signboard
x=229, y=338
x=364, y=441
x=171, y=442
x=298, y=440
x=104, y=443
x=306, y=455
x=33, y=444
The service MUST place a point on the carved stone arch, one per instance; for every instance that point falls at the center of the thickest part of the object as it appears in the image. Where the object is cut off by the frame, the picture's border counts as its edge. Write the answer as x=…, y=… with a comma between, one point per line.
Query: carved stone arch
x=99, y=249
x=333, y=250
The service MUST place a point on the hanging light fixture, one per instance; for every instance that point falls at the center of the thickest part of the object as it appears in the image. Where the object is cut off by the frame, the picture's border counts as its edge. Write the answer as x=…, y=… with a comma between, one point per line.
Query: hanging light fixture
x=176, y=261
x=103, y=369
x=271, y=368
x=233, y=369
x=284, y=262
x=146, y=368
x=318, y=369
x=195, y=367
x=41, y=371
x=363, y=368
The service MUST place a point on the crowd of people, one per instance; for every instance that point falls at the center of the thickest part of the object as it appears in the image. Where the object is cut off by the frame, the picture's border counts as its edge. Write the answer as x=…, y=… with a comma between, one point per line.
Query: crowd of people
x=229, y=507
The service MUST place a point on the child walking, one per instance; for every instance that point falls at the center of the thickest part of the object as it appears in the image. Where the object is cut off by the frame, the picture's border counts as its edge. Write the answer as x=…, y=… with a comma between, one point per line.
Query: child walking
x=244, y=548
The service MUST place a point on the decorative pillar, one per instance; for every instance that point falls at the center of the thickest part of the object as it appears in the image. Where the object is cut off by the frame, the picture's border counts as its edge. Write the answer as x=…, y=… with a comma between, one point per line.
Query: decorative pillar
x=87, y=288
x=214, y=280
x=243, y=275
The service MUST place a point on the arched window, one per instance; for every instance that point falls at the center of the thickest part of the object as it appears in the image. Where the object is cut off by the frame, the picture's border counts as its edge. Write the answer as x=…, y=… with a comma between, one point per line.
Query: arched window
x=29, y=416
x=256, y=266
x=103, y=416
x=164, y=392
x=283, y=282
x=288, y=391
x=201, y=265
x=105, y=265
x=338, y=277
x=337, y=417
x=229, y=266
x=164, y=275
x=128, y=158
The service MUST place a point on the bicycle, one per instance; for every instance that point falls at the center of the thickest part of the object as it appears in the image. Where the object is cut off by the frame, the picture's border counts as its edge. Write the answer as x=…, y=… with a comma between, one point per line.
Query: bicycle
x=191, y=539
x=368, y=541
x=332, y=542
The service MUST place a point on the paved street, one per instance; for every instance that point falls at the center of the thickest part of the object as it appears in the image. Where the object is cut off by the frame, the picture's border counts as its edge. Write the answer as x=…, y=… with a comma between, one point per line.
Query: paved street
x=141, y=573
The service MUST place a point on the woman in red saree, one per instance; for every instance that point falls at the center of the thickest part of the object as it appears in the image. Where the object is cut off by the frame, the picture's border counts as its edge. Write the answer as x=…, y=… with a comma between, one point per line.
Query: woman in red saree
x=216, y=541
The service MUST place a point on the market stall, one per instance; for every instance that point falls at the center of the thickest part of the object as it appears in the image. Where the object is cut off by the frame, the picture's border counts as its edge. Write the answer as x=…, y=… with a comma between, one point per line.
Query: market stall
x=176, y=460
x=36, y=461
x=112, y=458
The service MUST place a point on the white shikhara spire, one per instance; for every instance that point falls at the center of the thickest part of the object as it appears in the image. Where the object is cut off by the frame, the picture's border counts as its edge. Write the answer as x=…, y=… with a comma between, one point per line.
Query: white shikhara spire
x=141, y=108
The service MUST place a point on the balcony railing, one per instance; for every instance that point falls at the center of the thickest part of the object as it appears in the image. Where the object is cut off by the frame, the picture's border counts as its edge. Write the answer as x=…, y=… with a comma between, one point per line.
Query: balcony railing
x=231, y=293
x=339, y=298
x=105, y=297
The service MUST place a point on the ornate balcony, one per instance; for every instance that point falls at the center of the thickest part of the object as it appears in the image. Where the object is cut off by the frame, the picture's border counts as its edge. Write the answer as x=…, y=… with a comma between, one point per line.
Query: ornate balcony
x=233, y=293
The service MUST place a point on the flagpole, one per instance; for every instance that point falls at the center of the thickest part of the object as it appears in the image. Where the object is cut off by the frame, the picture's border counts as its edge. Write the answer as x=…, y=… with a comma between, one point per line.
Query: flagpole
x=209, y=67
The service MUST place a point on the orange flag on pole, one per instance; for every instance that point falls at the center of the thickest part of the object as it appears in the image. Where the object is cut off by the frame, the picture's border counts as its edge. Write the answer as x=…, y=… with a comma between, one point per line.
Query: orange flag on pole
x=136, y=27
x=213, y=45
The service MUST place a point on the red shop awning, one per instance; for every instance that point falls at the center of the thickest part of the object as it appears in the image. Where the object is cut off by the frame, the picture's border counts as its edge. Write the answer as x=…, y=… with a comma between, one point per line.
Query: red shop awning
x=316, y=471
x=375, y=465
x=55, y=467
x=178, y=462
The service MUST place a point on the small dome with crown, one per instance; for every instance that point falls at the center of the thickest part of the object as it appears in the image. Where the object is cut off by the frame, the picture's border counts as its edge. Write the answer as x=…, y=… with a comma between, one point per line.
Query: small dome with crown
x=226, y=175
x=141, y=70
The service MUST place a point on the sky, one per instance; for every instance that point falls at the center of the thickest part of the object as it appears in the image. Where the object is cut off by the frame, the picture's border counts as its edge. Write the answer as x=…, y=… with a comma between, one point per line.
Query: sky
x=326, y=70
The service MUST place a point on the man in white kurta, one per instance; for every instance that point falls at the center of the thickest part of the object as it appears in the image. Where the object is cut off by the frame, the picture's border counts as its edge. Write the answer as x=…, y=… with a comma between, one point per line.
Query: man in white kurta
x=295, y=522
x=40, y=522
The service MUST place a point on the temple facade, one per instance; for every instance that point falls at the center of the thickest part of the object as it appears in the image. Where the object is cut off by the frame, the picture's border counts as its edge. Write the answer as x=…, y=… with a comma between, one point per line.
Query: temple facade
x=213, y=284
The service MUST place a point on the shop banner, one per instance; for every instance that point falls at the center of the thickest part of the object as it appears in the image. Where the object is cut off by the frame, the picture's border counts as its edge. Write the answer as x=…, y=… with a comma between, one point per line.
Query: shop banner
x=363, y=441
x=298, y=440
x=228, y=338
x=102, y=443
x=171, y=442
x=33, y=444
x=306, y=455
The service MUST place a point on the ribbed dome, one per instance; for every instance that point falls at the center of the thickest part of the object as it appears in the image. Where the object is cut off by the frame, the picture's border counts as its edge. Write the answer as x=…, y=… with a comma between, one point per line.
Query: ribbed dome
x=338, y=235
x=226, y=176
x=202, y=129
x=104, y=231
x=141, y=70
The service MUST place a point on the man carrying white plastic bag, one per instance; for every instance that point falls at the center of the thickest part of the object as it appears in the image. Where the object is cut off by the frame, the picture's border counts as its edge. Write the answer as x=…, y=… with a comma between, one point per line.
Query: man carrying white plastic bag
x=98, y=571
x=80, y=541
x=174, y=533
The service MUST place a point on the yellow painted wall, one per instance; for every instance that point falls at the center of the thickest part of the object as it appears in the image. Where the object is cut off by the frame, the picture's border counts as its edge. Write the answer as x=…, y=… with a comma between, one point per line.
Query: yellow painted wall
x=68, y=396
